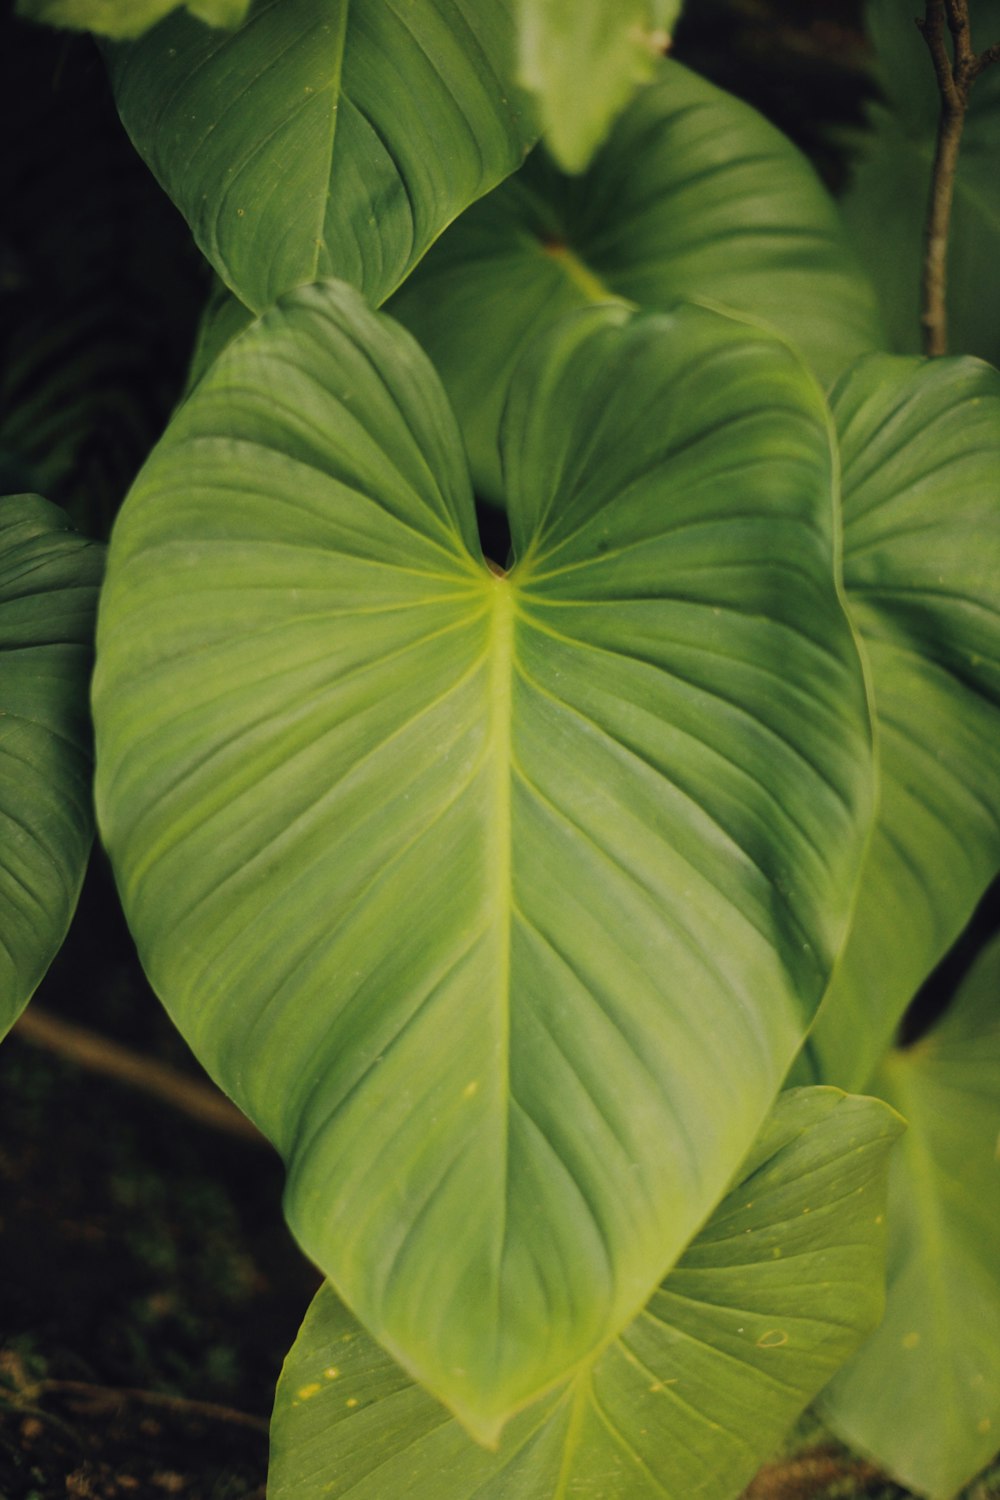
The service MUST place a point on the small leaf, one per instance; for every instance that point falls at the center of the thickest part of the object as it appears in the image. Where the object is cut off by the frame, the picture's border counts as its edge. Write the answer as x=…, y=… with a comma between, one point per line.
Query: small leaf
x=323, y=138
x=584, y=59
x=124, y=20
x=923, y=1395
x=920, y=448
x=780, y=1286
x=486, y=892
x=695, y=195
x=49, y=577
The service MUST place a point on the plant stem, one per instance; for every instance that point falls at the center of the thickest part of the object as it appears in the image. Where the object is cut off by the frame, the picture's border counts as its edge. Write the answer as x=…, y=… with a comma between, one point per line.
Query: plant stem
x=955, y=77
x=201, y=1101
x=103, y=1395
x=812, y=1474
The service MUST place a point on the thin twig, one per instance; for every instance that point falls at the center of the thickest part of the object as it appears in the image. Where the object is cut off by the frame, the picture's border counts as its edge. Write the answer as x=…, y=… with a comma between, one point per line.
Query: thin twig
x=797, y=1477
x=201, y=1101
x=107, y=1395
x=955, y=76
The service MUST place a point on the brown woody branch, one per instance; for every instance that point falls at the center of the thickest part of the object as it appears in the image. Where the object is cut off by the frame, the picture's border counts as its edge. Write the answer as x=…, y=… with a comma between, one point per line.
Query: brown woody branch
x=199, y=1100
x=955, y=74
x=809, y=1474
x=105, y=1398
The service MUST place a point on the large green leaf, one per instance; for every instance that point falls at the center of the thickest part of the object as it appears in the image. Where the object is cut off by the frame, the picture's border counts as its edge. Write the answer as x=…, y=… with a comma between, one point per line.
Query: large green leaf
x=500, y=901
x=920, y=446
x=127, y=18
x=923, y=1395
x=323, y=138
x=49, y=577
x=584, y=61
x=694, y=195
x=779, y=1287
x=886, y=204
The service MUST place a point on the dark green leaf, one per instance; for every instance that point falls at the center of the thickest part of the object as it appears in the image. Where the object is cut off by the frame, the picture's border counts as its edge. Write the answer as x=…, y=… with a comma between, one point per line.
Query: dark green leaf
x=920, y=446
x=49, y=577
x=323, y=138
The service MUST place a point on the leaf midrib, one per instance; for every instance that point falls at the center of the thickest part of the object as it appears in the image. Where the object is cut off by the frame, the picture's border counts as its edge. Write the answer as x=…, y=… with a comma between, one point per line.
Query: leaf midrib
x=340, y=47
x=500, y=862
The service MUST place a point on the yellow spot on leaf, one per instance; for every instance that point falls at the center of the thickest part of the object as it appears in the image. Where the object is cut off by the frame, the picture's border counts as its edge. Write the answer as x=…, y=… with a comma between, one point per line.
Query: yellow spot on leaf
x=309, y=1390
x=331, y=1373
x=351, y=1401
x=984, y=1426
x=772, y=1339
x=911, y=1341
x=471, y=1089
x=776, y=1252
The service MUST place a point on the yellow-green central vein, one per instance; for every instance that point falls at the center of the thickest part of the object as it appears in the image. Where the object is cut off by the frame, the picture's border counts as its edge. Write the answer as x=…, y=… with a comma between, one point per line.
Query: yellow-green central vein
x=499, y=861
x=579, y=273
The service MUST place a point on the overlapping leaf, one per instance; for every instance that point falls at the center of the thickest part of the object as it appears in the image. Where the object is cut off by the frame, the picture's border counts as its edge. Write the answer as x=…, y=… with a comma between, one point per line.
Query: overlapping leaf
x=886, y=204
x=500, y=901
x=782, y=1283
x=694, y=195
x=920, y=446
x=323, y=138
x=122, y=19
x=584, y=61
x=222, y=318
x=49, y=578
x=923, y=1395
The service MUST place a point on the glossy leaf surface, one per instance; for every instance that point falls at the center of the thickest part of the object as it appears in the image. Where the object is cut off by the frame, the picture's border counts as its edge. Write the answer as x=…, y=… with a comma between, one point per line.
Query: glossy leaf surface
x=583, y=61
x=923, y=1395
x=886, y=204
x=920, y=450
x=694, y=195
x=49, y=578
x=323, y=138
x=126, y=19
x=500, y=902
x=779, y=1287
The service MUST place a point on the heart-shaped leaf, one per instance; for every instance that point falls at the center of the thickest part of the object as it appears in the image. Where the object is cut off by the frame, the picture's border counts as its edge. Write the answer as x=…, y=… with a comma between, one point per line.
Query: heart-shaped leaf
x=583, y=59
x=323, y=138
x=694, y=195
x=500, y=901
x=923, y=1395
x=49, y=578
x=779, y=1287
x=920, y=451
